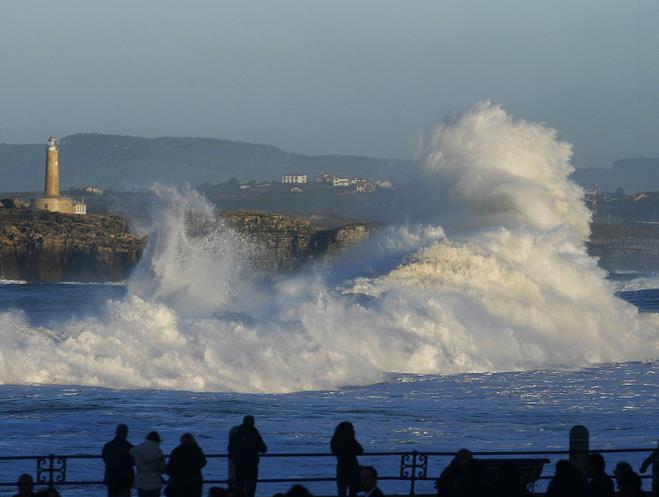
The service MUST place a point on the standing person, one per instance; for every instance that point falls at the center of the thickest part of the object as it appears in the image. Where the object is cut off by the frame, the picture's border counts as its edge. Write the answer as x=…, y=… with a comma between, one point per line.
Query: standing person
x=231, y=467
x=184, y=469
x=368, y=481
x=628, y=482
x=119, y=474
x=509, y=482
x=346, y=448
x=599, y=483
x=456, y=474
x=653, y=460
x=245, y=446
x=568, y=481
x=25, y=486
x=150, y=465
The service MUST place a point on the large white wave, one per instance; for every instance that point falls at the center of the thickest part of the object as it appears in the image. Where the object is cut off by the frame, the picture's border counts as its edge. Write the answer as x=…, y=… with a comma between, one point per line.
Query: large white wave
x=507, y=286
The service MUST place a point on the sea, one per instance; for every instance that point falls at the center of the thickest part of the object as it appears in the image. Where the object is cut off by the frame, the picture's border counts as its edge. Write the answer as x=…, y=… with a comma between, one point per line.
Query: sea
x=521, y=410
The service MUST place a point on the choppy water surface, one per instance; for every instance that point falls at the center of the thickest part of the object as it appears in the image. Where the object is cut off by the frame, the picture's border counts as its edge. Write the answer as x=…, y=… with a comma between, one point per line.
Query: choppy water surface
x=518, y=410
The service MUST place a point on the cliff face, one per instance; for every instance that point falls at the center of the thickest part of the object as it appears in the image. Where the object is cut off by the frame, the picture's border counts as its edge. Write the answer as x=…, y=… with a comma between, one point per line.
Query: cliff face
x=286, y=242
x=625, y=246
x=40, y=246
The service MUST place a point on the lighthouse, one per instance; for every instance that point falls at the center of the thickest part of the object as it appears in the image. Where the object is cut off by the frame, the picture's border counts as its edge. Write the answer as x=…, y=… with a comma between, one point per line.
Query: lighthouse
x=52, y=169
x=52, y=200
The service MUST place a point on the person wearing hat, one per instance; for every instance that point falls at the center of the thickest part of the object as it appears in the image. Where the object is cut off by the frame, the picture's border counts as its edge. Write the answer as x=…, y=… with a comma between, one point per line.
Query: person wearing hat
x=150, y=465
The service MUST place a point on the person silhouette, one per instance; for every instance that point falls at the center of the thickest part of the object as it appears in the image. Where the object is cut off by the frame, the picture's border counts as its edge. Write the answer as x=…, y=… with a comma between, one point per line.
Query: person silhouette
x=599, y=483
x=627, y=480
x=119, y=475
x=346, y=448
x=652, y=460
x=567, y=481
x=509, y=482
x=25, y=486
x=368, y=482
x=184, y=469
x=245, y=445
x=455, y=474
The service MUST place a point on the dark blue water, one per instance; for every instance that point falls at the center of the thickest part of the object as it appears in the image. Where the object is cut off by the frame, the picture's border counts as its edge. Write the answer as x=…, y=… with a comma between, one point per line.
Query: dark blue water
x=44, y=304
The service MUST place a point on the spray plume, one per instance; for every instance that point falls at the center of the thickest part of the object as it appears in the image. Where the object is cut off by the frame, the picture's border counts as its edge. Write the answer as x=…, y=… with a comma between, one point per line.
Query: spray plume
x=509, y=286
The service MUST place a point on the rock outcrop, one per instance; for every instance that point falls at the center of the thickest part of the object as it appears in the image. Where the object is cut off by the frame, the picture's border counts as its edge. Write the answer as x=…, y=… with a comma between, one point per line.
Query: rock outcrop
x=625, y=246
x=287, y=242
x=41, y=246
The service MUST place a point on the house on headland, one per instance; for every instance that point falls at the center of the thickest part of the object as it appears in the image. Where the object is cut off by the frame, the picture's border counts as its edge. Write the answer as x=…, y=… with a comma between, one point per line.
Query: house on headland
x=295, y=179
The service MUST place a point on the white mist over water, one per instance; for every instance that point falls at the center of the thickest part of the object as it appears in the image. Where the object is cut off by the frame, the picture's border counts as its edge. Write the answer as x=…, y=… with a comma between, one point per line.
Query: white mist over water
x=509, y=288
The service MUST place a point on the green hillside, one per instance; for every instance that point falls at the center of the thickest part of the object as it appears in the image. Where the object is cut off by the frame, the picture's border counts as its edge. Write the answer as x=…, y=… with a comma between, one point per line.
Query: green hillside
x=124, y=162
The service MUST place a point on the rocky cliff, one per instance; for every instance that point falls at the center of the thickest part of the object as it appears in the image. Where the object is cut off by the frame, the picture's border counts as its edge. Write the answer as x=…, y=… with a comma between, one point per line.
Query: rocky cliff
x=39, y=246
x=286, y=242
x=625, y=246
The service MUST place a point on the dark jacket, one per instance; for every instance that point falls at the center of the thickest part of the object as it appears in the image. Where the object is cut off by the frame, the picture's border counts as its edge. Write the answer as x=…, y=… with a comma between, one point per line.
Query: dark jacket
x=509, y=489
x=449, y=478
x=376, y=493
x=245, y=445
x=600, y=485
x=346, y=451
x=184, y=470
x=457, y=482
x=118, y=464
x=573, y=485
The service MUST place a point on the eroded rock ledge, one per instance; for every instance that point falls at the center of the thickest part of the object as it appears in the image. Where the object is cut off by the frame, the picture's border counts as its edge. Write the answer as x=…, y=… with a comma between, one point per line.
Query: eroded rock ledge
x=39, y=246
x=287, y=242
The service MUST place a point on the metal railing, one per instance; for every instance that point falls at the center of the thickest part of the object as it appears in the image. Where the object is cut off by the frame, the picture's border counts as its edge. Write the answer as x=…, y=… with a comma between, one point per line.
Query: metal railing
x=413, y=466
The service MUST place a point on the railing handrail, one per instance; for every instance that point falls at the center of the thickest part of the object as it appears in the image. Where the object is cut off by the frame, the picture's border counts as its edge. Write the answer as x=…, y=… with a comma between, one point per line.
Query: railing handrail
x=375, y=453
x=414, y=464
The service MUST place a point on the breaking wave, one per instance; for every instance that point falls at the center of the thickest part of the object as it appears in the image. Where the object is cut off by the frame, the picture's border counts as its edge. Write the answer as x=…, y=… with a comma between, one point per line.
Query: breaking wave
x=645, y=282
x=488, y=272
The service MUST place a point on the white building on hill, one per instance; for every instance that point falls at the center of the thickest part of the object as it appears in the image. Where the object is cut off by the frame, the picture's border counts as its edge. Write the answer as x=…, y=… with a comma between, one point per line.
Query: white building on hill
x=295, y=179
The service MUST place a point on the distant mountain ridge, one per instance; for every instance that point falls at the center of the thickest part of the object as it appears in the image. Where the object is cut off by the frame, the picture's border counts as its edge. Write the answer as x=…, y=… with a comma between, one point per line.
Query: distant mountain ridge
x=118, y=162
x=632, y=175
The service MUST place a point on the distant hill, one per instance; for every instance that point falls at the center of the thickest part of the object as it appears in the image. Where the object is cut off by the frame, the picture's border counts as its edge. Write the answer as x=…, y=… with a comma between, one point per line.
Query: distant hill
x=119, y=162
x=632, y=175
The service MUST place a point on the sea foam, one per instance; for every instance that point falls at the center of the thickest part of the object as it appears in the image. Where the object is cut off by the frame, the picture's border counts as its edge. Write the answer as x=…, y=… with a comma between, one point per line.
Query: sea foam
x=484, y=270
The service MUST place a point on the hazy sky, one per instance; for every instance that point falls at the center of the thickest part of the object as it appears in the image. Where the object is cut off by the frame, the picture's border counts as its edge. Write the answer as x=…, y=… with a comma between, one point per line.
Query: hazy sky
x=358, y=77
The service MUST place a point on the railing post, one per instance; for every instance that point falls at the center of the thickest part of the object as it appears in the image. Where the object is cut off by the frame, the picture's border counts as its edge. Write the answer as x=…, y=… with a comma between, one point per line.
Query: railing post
x=51, y=470
x=413, y=480
x=579, y=447
x=413, y=466
x=655, y=471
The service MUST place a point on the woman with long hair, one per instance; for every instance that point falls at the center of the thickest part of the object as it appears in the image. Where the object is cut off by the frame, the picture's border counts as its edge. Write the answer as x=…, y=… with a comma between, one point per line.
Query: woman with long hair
x=346, y=448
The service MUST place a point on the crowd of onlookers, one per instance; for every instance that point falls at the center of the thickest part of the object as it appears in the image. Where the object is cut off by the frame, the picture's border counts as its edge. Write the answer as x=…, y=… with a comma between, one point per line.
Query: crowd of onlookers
x=463, y=478
x=144, y=467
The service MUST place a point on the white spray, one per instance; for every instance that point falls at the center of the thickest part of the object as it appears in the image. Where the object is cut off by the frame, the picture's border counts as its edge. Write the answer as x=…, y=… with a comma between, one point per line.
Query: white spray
x=510, y=288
